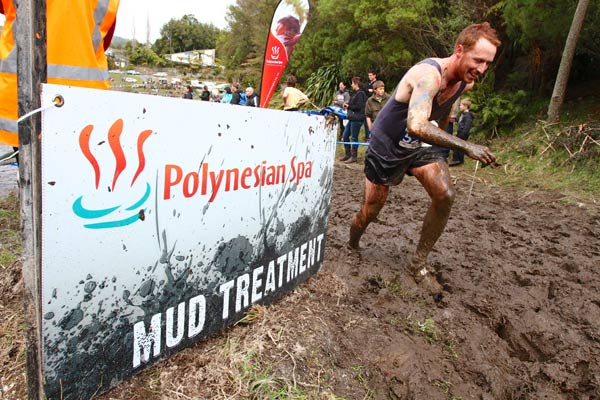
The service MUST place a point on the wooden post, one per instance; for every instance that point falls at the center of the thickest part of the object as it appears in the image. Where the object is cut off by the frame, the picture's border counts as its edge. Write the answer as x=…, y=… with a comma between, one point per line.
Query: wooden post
x=30, y=39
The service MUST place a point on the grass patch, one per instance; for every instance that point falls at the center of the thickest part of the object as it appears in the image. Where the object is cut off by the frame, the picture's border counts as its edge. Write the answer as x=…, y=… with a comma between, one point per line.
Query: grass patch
x=12, y=323
x=446, y=387
x=6, y=258
x=562, y=157
x=433, y=333
x=556, y=157
x=361, y=378
x=10, y=236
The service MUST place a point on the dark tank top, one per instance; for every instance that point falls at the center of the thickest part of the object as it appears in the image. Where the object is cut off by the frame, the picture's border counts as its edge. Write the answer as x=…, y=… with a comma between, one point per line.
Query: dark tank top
x=389, y=136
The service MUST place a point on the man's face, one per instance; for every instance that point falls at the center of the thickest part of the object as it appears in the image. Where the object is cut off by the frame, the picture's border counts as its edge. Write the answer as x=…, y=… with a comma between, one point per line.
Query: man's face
x=372, y=76
x=474, y=62
x=379, y=91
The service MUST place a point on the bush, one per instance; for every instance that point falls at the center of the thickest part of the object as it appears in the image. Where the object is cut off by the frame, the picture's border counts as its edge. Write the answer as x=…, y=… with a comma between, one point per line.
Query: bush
x=322, y=84
x=493, y=109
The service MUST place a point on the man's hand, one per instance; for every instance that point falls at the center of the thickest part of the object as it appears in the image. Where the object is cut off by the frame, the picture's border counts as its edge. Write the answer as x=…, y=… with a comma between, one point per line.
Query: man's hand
x=481, y=153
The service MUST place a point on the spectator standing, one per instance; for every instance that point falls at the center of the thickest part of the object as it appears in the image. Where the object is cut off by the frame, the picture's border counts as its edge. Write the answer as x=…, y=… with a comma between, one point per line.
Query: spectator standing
x=356, y=118
x=453, y=115
x=238, y=97
x=188, y=92
x=227, y=95
x=252, y=99
x=341, y=96
x=465, y=123
x=376, y=102
x=205, y=95
x=372, y=76
x=293, y=97
x=451, y=121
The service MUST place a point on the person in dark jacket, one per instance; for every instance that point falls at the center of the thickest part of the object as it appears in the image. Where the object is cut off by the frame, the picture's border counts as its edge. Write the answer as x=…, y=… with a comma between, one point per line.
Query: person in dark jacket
x=356, y=118
x=205, y=95
x=464, y=128
x=236, y=97
x=189, y=93
x=251, y=97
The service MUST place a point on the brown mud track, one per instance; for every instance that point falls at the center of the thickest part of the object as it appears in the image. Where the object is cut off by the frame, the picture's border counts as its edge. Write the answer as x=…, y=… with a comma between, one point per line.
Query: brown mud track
x=519, y=318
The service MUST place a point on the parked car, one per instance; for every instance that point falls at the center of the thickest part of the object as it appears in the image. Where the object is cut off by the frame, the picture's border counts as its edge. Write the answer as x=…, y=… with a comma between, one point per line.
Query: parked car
x=129, y=79
x=160, y=74
x=132, y=72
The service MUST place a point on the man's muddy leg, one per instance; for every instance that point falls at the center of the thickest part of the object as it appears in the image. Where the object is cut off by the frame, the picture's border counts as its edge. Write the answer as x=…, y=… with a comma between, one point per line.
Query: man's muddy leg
x=435, y=178
x=373, y=201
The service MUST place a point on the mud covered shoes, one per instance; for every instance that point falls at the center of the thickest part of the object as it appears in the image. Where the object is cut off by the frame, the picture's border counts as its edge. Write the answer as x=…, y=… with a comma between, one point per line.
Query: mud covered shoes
x=424, y=276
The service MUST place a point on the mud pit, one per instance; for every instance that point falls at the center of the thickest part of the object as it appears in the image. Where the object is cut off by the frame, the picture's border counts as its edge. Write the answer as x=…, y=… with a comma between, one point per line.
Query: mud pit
x=519, y=319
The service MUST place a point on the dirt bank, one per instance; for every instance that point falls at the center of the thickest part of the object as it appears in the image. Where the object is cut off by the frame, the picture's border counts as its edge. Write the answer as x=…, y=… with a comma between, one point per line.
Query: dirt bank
x=521, y=311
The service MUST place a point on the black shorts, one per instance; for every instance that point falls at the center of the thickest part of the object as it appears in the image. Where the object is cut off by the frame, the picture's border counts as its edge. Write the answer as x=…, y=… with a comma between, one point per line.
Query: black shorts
x=387, y=173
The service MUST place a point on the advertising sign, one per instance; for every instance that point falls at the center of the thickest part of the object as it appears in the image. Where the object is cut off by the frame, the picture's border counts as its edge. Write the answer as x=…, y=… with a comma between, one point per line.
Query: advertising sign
x=289, y=21
x=164, y=220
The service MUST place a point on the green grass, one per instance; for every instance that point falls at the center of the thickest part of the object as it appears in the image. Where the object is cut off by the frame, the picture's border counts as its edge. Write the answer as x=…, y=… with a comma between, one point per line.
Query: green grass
x=563, y=157
x=359, y=375
x=10, y=234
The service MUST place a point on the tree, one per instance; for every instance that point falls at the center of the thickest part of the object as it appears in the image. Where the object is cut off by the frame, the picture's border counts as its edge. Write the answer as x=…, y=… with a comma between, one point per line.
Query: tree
x=560, y=86
x=142, y=55
x=243, y=47
x=185, y=34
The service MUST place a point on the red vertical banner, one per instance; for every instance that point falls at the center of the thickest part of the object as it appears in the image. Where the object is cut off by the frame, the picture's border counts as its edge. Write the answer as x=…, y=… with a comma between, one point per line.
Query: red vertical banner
x=288, y=22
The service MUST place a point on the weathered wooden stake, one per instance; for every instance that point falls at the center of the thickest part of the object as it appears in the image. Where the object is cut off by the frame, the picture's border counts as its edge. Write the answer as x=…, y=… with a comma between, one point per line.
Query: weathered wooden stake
x=30, y=39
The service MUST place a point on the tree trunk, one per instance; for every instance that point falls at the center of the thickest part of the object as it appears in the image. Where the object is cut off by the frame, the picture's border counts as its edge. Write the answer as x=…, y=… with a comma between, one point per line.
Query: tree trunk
x=562, y=77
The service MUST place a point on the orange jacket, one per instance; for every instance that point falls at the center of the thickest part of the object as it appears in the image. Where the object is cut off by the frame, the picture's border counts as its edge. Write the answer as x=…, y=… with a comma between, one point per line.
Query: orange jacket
x=78, y=33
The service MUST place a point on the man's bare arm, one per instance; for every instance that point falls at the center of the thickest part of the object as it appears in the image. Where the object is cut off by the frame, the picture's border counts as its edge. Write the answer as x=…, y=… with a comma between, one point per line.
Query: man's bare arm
x=419, y=109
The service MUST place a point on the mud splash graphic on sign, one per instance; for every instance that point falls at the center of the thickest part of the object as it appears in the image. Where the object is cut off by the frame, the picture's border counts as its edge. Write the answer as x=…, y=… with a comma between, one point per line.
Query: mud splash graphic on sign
x=103, y=329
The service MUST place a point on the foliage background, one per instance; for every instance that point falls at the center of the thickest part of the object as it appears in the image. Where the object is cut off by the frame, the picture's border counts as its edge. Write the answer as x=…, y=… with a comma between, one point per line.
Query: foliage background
x=351, y=38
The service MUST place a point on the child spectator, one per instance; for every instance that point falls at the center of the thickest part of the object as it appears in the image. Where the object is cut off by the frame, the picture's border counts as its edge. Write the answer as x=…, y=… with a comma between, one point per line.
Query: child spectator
x=464, y=128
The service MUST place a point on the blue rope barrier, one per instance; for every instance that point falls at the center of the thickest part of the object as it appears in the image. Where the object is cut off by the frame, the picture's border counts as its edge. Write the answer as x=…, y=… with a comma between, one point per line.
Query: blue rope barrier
x=354, y=143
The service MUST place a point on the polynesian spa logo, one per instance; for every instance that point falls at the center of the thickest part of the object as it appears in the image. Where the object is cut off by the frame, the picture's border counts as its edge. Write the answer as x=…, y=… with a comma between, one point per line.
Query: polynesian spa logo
x=116, y=215
x=275, y=52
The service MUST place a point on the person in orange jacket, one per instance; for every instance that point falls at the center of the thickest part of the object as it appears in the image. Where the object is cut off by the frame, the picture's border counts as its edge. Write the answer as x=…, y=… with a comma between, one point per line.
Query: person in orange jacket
x=78, y=34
